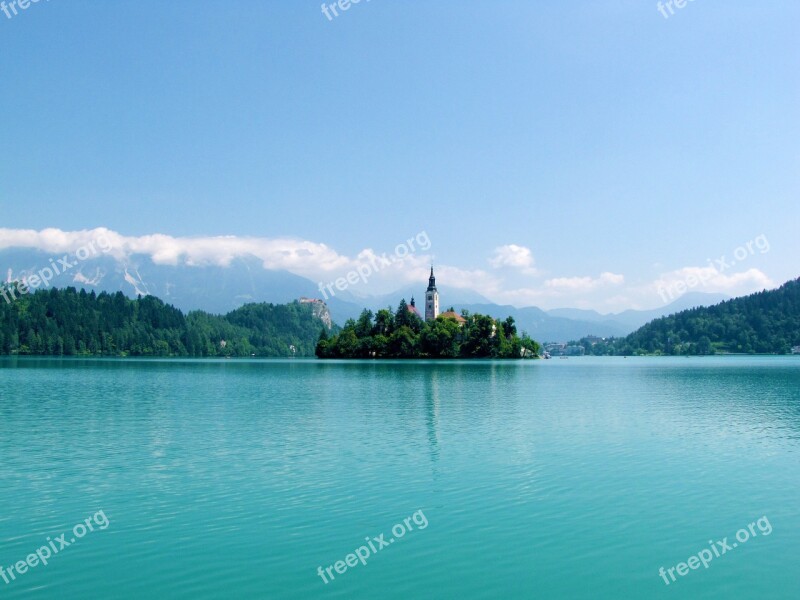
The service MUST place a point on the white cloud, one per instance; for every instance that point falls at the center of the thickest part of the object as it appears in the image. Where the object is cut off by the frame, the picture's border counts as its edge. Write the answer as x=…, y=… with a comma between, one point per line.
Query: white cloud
x=473, y=279
x=295, y=255
x=521, y=297
x=407, y=265
x=673, y=284
x=306, y=258
x=513, y=256
x=584, y=284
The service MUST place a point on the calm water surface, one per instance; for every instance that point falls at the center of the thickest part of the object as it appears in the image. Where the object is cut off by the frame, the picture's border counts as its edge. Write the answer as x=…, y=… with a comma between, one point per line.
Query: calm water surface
x=573, y=478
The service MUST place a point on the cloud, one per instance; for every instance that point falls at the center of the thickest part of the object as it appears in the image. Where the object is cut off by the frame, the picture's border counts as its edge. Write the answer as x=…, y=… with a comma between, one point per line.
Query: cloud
x=560, y=291
x=584, y=284
x=473, y=279
x=408, y=268
x=674, y=284
x=515, y=257
x=526, y=296
x=321, y=263
x=295, y=255
x=306, y=258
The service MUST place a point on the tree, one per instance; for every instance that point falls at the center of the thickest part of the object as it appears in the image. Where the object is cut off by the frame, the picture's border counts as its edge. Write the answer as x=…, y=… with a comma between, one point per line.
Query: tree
x=509, y=327
x=479, y=342
x=321, y=349
x=363, y=326
x=346, y=345
x=403, y=343
x=528, y=347
x=440, y=338
x=384, y=323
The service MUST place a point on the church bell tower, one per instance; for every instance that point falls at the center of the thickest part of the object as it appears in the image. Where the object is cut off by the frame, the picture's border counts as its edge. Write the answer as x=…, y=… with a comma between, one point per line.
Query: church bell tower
x=431, y=299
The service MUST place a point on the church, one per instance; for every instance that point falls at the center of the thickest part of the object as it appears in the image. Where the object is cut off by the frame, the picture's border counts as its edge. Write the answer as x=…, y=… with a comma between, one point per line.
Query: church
x=432, y=304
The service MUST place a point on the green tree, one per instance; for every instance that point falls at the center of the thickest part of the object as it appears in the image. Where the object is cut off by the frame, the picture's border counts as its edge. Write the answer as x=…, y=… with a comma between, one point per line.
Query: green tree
x=384, y=323
x=481, y=339
x=403, y=343
x=440, y=338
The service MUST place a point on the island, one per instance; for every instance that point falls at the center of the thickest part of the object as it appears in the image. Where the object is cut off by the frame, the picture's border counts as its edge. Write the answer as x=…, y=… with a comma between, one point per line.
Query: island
x=404, y=334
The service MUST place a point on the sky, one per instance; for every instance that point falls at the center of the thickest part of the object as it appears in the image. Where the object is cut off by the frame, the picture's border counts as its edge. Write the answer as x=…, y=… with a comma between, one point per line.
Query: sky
x=556, y=154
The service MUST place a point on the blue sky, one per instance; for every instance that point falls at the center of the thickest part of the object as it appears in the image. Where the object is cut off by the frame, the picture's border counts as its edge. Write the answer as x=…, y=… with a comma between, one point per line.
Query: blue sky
x=556, y=154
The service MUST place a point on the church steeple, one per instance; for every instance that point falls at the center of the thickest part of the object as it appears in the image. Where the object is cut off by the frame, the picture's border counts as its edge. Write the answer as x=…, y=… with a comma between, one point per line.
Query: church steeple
x=431, y=281
x=431, y=299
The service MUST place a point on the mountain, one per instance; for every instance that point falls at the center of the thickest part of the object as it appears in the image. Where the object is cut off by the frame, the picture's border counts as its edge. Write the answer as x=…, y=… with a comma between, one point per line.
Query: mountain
x=218, y=290
x=541, y=326
x=213, y=289
x=765, y=322
x=454, y=295
x=552, y=325
x=631, y=320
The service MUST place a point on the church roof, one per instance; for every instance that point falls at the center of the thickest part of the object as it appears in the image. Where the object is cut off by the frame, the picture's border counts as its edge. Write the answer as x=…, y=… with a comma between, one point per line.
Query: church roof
x=451, y=314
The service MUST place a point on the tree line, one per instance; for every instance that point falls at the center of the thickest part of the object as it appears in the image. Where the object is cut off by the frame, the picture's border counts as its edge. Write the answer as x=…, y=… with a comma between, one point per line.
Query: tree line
x=68, y=322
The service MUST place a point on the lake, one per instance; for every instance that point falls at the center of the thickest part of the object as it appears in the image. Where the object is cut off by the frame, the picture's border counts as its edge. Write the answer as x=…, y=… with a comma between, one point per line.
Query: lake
x=578, y=478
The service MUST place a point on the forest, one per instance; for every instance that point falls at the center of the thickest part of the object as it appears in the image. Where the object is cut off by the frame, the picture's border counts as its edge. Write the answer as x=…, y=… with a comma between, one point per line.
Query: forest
x=68, y=322
x=767, y=322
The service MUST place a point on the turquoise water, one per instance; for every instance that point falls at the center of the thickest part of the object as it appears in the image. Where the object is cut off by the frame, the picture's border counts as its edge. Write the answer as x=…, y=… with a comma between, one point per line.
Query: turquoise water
x=573, y=478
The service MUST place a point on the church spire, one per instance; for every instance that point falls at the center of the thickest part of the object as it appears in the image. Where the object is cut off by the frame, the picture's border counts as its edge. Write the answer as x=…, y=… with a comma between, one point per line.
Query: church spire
x=431, y=281
x=431, y=299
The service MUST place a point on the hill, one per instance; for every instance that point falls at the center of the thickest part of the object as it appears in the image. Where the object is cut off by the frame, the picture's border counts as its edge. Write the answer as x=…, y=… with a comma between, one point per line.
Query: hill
x=767, y=322
x=69, y=322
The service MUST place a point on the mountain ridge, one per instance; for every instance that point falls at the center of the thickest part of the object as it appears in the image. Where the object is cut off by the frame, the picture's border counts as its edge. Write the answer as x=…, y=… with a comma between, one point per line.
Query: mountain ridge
x=219, y=290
